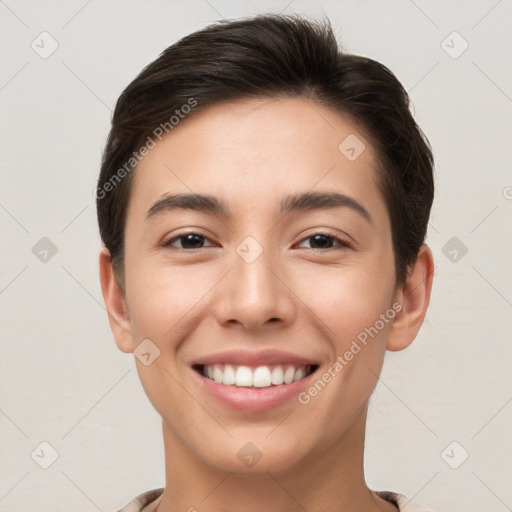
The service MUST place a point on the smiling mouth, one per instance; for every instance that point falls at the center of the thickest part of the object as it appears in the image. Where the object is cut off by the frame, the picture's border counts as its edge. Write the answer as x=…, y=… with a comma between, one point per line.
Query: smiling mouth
x=254, y=377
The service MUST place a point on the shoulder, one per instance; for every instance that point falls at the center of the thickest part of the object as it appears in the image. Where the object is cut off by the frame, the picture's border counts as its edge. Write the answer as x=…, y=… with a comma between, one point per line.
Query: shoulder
x=401, y=501
x=142, y=500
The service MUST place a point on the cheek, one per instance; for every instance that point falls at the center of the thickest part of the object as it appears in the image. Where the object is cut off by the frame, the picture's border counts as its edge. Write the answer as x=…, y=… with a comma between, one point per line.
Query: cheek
x=348, y=300
x=351, y=306
x=164, y=298
x=165, y=302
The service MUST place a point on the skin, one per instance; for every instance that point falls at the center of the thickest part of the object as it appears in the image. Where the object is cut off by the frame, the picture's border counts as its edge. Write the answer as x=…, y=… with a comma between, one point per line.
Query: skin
x=191, y=304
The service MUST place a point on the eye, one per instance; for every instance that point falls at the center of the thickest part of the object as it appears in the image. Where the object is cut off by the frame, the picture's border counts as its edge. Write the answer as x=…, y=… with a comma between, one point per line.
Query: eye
x=194, y=241
x=326, y=239
x=188, y=241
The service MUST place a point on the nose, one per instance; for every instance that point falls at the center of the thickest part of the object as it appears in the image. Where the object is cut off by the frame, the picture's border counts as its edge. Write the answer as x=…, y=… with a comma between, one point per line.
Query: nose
x=255, y=293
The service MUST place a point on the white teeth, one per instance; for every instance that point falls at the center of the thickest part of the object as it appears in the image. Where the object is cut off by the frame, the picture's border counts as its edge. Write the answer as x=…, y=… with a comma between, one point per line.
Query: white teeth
x=299, y=374
x=289, y=374
x=277, y=376
x=217, y=373
x=243, y=376
x=229, y=375
x=260, y=377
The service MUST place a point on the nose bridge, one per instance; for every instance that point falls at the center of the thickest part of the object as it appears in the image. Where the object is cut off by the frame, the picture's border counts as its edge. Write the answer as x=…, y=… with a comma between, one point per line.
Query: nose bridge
x=254, y=292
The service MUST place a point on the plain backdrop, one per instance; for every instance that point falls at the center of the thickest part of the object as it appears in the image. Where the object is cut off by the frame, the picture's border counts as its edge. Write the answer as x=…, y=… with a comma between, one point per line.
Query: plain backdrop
x=64, y=382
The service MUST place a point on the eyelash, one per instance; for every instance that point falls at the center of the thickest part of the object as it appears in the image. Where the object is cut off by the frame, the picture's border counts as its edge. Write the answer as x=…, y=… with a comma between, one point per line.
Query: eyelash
x=342, y=244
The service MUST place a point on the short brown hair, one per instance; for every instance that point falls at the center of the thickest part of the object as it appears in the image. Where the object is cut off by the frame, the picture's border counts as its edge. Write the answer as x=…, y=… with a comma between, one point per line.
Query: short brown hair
x=272, y=56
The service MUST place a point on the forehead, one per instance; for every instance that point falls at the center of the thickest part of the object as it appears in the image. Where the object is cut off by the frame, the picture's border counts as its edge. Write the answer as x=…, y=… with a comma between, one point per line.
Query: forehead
x=253, y=152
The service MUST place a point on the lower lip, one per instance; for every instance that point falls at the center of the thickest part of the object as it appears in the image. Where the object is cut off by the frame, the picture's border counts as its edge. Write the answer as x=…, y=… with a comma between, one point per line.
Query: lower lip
x=253, y=399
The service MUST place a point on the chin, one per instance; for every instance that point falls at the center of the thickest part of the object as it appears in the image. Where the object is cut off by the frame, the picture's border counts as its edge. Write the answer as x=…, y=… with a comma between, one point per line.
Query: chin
x=255, y=458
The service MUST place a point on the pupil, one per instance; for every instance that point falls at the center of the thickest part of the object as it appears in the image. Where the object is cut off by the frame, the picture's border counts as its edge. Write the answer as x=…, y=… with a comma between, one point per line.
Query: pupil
x=319, y=240
x=326, y=238
x=190, y=239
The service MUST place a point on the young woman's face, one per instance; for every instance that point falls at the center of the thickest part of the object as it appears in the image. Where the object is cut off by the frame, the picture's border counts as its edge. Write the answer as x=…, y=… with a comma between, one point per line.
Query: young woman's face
x=262, y=285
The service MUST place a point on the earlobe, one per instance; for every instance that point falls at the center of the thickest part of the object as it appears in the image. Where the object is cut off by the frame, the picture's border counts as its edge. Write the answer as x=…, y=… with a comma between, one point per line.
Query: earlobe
x=414, y=297
x=115, y=303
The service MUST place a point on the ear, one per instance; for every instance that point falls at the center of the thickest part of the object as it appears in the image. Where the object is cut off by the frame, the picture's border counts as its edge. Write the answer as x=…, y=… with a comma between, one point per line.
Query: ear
x=116, y=306
x=414, y=296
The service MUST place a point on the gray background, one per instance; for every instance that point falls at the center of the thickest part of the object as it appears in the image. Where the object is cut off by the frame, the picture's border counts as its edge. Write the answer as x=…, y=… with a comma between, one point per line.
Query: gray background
x=64, y=382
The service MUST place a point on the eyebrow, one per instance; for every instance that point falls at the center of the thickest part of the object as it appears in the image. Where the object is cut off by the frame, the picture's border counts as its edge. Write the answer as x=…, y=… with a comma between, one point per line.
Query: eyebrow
x=292, y=203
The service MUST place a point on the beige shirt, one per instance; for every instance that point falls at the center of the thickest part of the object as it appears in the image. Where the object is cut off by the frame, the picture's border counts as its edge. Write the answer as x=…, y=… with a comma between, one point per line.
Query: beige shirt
x=139, y=503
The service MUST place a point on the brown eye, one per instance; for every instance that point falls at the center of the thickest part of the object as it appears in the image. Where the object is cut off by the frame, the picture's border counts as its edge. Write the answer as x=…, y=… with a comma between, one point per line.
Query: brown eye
x=325, y=241
x=188, y=241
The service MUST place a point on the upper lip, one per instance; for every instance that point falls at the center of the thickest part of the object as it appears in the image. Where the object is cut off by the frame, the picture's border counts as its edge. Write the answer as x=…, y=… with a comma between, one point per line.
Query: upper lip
x=255, y=358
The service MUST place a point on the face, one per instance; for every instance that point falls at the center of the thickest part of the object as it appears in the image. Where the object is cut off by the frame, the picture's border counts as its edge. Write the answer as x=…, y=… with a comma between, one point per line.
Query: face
x=258, y=289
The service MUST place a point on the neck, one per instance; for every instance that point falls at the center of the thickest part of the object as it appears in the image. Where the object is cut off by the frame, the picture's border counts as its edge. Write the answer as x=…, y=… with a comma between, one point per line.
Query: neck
x=333, y=480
